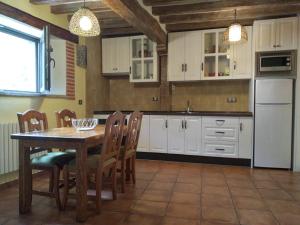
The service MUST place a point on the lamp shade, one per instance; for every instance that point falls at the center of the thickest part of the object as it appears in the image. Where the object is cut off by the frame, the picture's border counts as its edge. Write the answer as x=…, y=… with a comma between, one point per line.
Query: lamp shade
x=84, y=23
x=235, y=32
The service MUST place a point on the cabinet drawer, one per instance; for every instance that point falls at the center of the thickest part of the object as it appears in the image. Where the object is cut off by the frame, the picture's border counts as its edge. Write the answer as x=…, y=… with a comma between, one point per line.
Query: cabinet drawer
x=220, y=121
x=221, y=149
x=220, y=134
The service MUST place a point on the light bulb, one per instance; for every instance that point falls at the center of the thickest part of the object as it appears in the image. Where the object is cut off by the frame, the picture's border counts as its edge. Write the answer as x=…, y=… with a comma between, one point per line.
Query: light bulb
x=235, y=32
x=85, y=23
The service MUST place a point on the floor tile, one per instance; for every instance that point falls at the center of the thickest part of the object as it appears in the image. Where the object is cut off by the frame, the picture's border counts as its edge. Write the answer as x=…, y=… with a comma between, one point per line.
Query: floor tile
x=288, y=219
x=107, y=218
x=214, y=181
x=148, y=207
x=218, y=190
x=121, y=205
x=187, y=188
x=190, y=180
x=244, y=192
x=283, y=206
x=136, y=219
x=276, y=194
x=212, y=200
x=163, y=186
x=249, y=203
x=184, y=211
x=185, y=198
x=156, y=196
x=179, y=221
x=266, y=184
x=219, y=214
x=241, y=183
x=255, y=217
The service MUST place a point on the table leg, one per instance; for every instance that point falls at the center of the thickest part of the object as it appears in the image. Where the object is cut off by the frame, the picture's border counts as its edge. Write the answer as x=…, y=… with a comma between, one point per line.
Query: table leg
x=81, y=183
x=25, y=179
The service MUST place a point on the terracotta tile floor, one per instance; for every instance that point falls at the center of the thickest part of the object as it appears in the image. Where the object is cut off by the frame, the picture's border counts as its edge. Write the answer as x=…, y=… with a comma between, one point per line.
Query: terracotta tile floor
x=169, y=193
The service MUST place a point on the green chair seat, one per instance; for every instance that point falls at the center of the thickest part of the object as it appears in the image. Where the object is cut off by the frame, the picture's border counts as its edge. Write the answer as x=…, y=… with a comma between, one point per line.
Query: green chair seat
x=92, y=162
x=53, y=158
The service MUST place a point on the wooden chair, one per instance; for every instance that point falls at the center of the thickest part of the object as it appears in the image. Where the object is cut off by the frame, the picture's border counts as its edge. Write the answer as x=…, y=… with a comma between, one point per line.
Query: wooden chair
x=107, y=161
x=53, y=162
x=128, y=151
x=64, y=118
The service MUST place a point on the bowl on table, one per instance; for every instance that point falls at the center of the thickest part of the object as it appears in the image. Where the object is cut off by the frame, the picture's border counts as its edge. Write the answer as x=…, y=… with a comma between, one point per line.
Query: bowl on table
x=84, y=124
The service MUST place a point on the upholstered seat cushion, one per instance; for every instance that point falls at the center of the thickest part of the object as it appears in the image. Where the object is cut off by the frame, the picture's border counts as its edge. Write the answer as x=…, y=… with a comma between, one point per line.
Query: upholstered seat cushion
x=92, y=162
x=53, y=158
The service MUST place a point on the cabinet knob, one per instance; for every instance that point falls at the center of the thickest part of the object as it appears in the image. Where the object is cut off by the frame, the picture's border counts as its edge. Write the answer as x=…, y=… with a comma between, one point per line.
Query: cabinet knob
x=182, y=67
x=274, y=46
x=166, y=123
x=182, y=124
x=234, y=65
x=202, y=66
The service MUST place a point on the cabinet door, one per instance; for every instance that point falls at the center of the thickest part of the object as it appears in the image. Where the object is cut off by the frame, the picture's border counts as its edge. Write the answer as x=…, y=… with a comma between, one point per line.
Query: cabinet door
x=264, y=35
x=192, y=141
x=158, y=134
x=241, y=63
x=123, y=54
x=176, y=134
x=176, y=56
x=286, y=33
x=193, y=55
x=109, y=55
x=143, y=145
x=245, y=138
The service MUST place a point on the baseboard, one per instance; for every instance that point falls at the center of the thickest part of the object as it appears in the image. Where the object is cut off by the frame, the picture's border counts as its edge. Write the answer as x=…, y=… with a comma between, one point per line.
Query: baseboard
x=194, y=159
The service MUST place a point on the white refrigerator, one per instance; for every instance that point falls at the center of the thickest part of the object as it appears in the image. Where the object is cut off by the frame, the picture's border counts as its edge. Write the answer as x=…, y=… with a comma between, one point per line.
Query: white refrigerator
x=273, y=123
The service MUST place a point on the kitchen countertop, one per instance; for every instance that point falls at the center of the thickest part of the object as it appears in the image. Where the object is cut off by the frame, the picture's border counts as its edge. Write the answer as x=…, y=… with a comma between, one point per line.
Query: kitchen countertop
x=183, y=113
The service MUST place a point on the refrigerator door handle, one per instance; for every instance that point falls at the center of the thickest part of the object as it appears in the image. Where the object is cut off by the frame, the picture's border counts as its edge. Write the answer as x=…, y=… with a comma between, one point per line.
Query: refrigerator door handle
x=273, y=103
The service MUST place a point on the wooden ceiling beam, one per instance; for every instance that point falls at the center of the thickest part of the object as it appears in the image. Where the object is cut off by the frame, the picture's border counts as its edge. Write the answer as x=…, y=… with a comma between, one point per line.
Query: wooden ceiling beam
x=216, y=6
x=107, y=15
x=253, y=13
x=55, y=2
x=138, y=17
x=73, y=7
x=173, y=2
x=205, y=25
x=113, y=23
x=113, y=32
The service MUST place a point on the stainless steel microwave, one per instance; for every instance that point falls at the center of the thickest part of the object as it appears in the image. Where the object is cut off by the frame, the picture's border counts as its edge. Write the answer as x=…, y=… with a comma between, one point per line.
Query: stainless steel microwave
x=279, y=63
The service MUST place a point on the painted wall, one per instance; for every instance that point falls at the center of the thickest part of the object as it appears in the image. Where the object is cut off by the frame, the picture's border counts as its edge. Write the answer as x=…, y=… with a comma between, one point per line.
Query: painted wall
x=9, y=105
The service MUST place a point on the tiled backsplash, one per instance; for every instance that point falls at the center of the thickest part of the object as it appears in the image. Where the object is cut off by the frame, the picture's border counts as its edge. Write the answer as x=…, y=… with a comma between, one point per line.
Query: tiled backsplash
x=211, y=95
x=203, y=96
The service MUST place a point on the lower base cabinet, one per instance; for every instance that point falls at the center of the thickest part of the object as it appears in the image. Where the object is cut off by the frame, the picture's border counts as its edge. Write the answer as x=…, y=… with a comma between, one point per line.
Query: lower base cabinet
x=158, y=137
x=143, y=145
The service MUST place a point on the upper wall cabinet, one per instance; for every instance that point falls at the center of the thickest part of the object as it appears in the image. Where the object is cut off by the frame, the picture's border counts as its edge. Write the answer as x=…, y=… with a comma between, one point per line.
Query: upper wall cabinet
x=276, y=34
x=115, y=55
x=240, y=53
x=184, y=58
x=143, y=60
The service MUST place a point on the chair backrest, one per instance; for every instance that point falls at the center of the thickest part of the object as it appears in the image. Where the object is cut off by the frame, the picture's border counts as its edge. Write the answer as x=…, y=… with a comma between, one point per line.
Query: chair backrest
x=32, y=120
x=133, y=131
x=64, y=118
x=114, y=129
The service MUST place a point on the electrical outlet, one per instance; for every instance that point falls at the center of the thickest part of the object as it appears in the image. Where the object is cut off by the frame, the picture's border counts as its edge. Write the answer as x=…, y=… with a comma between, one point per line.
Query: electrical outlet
x=155, y=99
x=231, y=99
x=80, y=102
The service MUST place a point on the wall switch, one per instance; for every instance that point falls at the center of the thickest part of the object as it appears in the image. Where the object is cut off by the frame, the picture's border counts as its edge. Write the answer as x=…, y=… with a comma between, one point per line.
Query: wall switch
x=80, y=102
x=155, y=99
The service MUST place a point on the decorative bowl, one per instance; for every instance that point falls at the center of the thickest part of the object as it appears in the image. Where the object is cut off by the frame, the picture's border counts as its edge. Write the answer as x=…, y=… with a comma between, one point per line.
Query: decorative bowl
x=85, y=124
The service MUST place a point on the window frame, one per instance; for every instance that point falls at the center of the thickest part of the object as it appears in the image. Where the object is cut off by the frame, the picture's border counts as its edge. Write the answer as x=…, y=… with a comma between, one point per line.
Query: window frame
x=36, y=41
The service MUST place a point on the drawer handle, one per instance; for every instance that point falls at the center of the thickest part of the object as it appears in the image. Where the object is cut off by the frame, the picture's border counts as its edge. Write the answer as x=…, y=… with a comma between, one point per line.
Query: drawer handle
x=220, y=121
x=220, y=149
x=220, y=132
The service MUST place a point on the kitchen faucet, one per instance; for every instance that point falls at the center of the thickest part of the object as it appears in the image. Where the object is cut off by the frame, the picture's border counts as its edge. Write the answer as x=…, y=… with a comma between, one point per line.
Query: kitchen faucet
x=188, y=106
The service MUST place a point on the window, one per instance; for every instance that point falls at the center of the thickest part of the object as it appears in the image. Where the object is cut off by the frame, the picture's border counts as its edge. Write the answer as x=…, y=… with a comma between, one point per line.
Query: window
x=18, y=61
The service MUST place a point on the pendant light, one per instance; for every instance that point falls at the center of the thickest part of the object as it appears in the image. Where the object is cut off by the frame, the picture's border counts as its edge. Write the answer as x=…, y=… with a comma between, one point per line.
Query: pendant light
x=235, y=32
x=84, y=23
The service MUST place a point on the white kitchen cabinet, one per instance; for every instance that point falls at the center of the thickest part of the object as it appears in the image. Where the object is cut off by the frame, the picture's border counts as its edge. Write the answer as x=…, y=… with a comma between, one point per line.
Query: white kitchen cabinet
x=241, y=54
x=158, y=133
x=185, y=55
x=246, y=138
x=176, y=134
x=192, y=138
x=143, y=60
x=184, y=135
x=115, y=55
x=276, y=34
x=143, y=145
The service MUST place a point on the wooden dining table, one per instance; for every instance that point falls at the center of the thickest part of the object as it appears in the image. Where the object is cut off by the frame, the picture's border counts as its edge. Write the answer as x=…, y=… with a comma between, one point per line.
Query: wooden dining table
x=61, y=138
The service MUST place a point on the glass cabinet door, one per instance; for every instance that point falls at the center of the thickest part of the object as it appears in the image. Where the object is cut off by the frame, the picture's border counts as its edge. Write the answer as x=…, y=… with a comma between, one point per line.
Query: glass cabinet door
x=222, y=47
x=136, y=48
x=209, y=66
x=137, y=69
x=210, y=43
x=148, y=69
x=223, y=66
x=148, y=48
